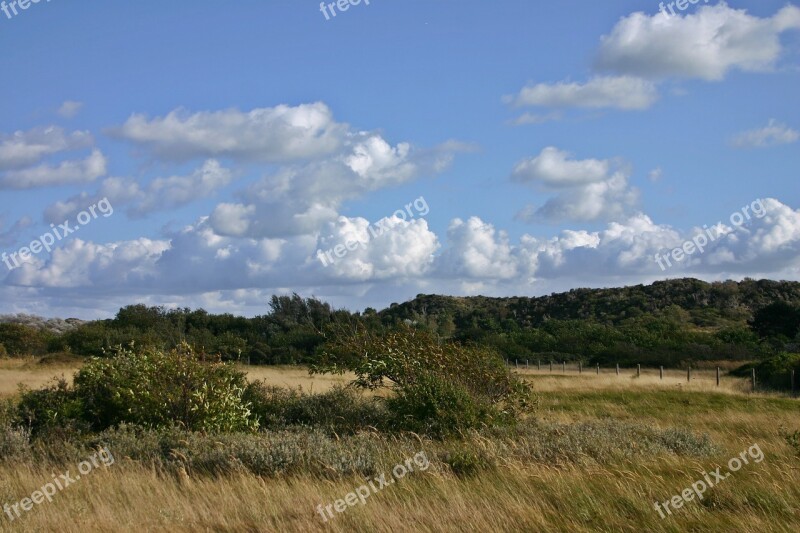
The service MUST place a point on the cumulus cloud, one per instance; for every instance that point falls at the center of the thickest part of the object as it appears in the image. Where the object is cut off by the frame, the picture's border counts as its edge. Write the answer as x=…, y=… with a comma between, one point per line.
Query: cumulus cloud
x=476, y=250
x=159, y=194
x=774, y=133
x=555, y=168
x=196, y=263
x=620, y=92
x=24, y=148
x=65, y=173
x=277, y=134
x=588, y=189
x=706, y=44
x=301, y=199
x=396, y=249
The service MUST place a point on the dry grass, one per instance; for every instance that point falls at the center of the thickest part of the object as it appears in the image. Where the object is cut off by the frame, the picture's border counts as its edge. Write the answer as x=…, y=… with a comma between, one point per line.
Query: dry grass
x=516, y=496
x=31, y=372
x=293, y=377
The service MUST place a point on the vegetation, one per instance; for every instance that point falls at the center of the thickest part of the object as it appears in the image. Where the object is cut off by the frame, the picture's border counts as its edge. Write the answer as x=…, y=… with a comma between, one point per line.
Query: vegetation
x=437, y=387
x=591, y=460
x=676, y=323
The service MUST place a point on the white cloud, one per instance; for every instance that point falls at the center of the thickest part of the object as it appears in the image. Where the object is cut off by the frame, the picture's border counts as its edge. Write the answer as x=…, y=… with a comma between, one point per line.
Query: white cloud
x=588, y=189
x=477, y=251
x=300, y=199
x=622, y=92
x=177, y=191
x=25, y=148
x=555, y=168
x=706, y=44
x=64, y=173
x=232, y=219
x=197, y=265
x=393, y=249
x=610, y=199
x=159, y=195
x=70, y=108
x=772, y=134
x=277, y=134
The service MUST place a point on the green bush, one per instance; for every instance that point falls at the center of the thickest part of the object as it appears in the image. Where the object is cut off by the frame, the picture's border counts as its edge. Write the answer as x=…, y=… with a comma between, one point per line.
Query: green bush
x=774, y=373
x=150, y=388
x=467, y=461
x=435, y=406
x=155, y=388
x=14, y=440
x=440, y=388
x=340, y=410
x=53, y=408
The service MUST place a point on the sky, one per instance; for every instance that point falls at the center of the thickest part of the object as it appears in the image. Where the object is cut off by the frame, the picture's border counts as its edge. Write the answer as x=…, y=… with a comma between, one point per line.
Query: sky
x=211, y=154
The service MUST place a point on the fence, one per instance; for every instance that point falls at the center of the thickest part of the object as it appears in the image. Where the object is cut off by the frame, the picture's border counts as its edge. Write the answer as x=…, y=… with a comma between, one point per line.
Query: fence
x=691, y=374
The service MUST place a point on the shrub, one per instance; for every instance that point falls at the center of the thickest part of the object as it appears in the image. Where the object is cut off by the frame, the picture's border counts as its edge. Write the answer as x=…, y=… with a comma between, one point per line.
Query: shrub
x=151, y=388
x=440, y=388
x=53, y=408
x=467, y=461
x=433, y=405
x=14, y=440
x=773, y=373
x=155, y=388
x=340, y=410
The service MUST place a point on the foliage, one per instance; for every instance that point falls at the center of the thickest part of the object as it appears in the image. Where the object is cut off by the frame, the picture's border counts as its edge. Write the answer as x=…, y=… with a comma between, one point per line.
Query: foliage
x=150, y=388
x=339, y=411
x=440, y=387
x=775, y=372
x=20, y=340
x=53, y=408
x=777, y=319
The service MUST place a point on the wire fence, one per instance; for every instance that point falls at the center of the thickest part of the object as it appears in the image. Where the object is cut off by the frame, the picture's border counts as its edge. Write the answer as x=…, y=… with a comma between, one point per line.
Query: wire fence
x=714, y=375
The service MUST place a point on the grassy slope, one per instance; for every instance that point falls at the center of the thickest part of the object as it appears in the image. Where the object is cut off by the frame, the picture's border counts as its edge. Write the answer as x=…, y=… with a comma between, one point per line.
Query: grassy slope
x=515, y=497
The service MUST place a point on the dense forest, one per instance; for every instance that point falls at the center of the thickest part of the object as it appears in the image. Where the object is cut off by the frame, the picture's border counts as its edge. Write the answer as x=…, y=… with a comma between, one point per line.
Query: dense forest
x=671, y=323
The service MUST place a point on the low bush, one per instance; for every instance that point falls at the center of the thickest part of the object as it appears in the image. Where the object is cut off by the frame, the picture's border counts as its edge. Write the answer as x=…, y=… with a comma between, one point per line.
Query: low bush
x=149, y=388
x=440, y=388
x=341, y=410
x=774, y=373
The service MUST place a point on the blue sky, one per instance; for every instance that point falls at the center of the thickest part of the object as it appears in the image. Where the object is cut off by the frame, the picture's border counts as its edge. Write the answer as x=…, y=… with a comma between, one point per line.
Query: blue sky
x=555, y=145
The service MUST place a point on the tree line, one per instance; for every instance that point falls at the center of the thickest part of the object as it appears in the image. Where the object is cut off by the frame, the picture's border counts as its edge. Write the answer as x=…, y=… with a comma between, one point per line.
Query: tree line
x=672, y=323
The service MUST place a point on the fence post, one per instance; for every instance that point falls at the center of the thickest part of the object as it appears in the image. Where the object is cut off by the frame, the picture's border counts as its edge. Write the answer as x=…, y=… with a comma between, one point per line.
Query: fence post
x=754, y=380
x=551, y=367
x=526, y=364
x=689, y=374
x=564, y=367
x=580, y=367
x=638, y=371
x=516, y=363
x=618, y=369
x=794, y=393
x=661, y=373
x=538, y=364
x=598, y=369
x=717, y=376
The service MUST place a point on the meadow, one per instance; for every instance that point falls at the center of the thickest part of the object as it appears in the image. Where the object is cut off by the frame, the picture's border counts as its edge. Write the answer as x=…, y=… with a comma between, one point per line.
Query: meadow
x=593, y=461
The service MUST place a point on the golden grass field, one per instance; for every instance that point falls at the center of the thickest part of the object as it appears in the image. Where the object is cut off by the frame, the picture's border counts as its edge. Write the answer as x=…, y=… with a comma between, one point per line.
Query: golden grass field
x=762, y=497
